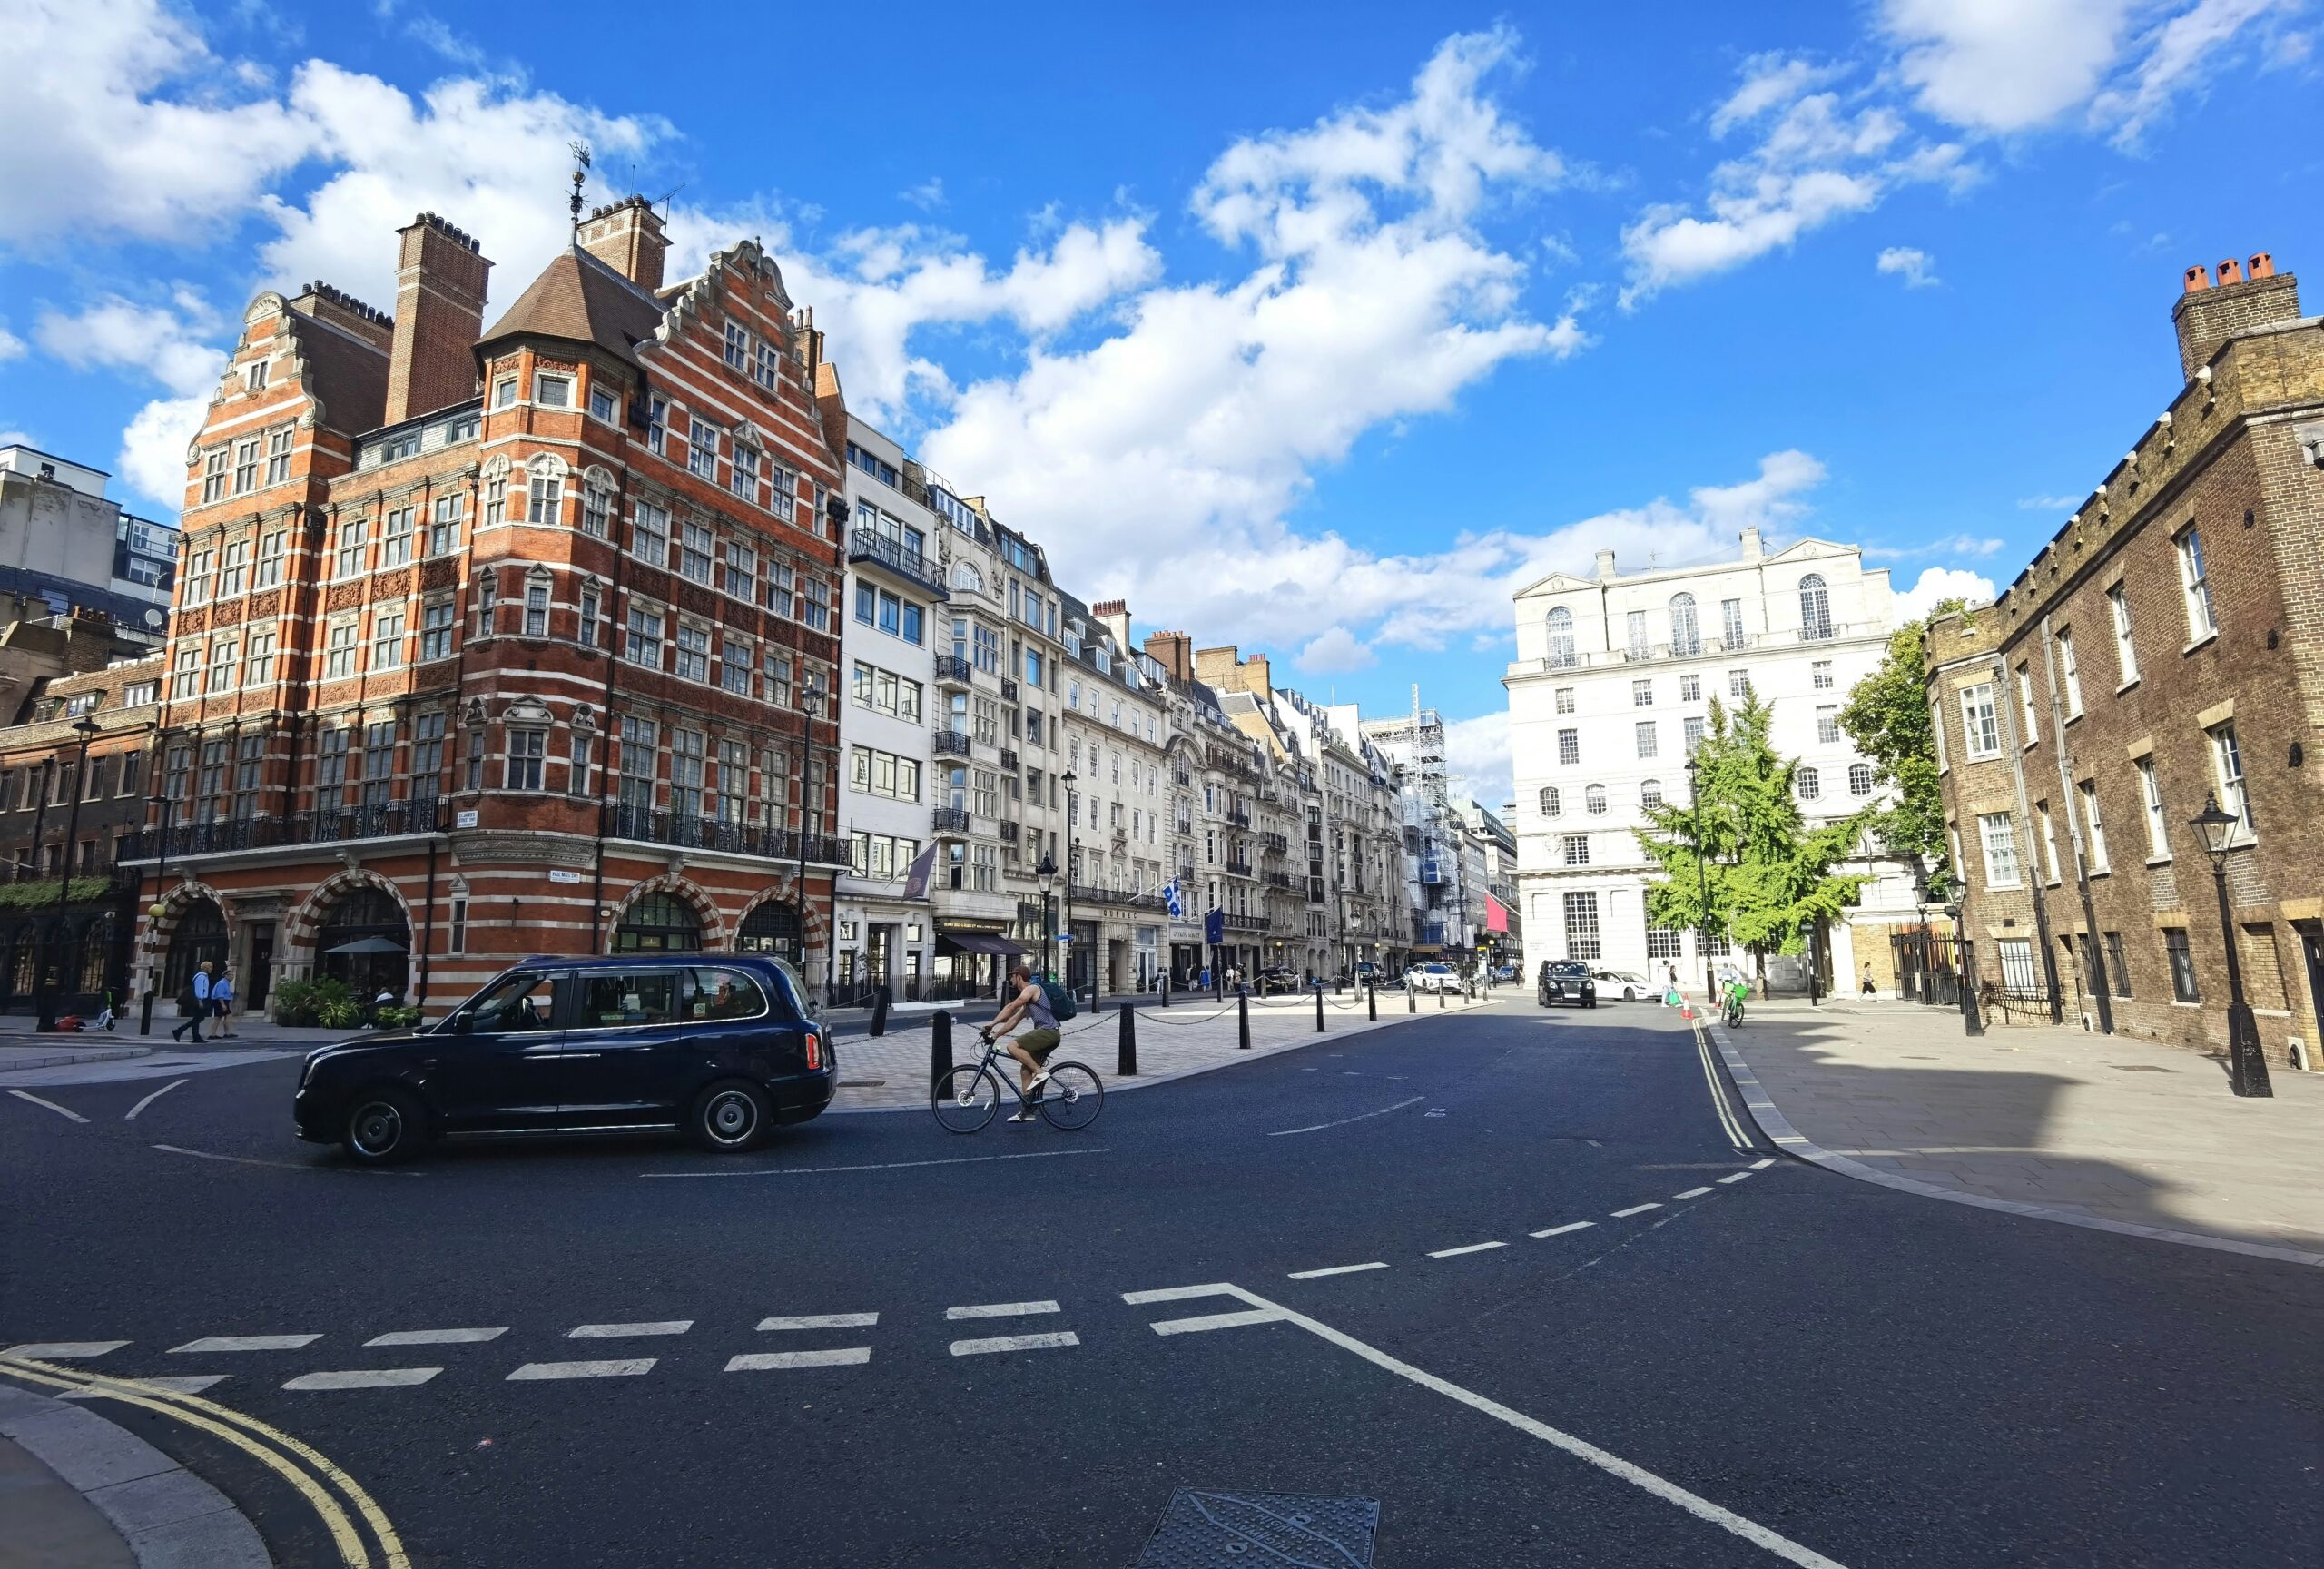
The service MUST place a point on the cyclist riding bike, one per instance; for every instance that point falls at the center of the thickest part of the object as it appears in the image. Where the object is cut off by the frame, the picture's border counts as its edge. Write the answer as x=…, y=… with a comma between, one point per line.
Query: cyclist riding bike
x=1032, y=1048
x=1733, y=989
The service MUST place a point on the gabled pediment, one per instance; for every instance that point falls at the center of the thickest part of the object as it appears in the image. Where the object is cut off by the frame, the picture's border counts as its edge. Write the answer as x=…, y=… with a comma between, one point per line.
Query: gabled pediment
x=1557, y=583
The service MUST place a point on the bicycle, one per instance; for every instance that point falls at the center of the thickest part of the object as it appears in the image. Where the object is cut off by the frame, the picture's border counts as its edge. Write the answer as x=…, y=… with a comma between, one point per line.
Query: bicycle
x=1734, y=1010
x=965, y=1099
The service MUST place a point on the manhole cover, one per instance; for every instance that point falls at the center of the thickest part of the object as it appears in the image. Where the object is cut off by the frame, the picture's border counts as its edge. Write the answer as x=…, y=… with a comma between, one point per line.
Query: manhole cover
x=1203, y=1529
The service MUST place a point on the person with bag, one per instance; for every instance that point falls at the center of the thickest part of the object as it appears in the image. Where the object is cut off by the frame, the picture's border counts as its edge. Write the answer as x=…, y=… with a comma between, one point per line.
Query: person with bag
x=221, y=1003
x=194, y=1001
x=1041, y=1003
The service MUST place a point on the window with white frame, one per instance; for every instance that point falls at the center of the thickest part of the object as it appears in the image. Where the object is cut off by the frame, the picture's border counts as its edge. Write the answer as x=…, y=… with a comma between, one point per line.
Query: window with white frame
x=1581, y=938
x=245, y=466
x=1575, y=849
x=2026, y=714
x=696, y=543
x=1686, y=632
x=338, y=648
x=546, y=498
x=386, y=638
x=1979, y=723
x=2126, y=653
x=658, y=426
x=537, y=596
x=504, y=392
x=693, y=652
x=2194, y=578
x=257, y=660
x=395, y=539
x=741, y=571
x=1548, y=800
x=734, y=666
x=2049, y=831
x=273, y=548
x=1860, y=780
x=686, y=757
x=527, y=754
x=1641, y=694
x=1995, y=832
x=643, y=644
x=2227, y=773
x=743, y=479
x=597, y=508
x=768, y=370
x=279, y=448
x=1639, y=640
x=1690, y=689
x=1565, y=699
x=2094, y=829
x=2158, y=827
x=592, y=607
x=1662, y=942
x=232, y=574
x=1593, y=800
x=1569, y=748
x=352, y=558
x=1730, y=622
x=2069, y=673
x=1738, y=684
x=650, y=533
x=222, y=652
x=495, y=496
x=213, y=475
x=436, y=629
x=1820, y=672
x=1561, y=629
x=1815, y=608
x=1692, y=729
x=604, y=405
x=1649, y=794
x=701, y=449
x=1807, y=783
x=1649, y=741
x=551, y=390
x=443, y=525
x=1827, y=724
x=487, y=603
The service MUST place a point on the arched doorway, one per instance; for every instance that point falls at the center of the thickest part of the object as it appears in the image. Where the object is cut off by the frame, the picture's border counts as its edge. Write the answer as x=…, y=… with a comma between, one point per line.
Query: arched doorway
x=99, y=938
x=659, y=923
x=365, y=941
x=771, y=927
x=200, y=934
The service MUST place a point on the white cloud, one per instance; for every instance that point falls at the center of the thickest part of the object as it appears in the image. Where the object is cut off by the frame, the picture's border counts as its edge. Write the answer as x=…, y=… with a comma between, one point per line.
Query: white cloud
x=1476, y=751
x=2048, y=503
x=1769, y=80
x=1941, y=583
x=1917, y=268
x=1336, y=651
x=10, y=346
x=1949, y=545
x=168, y=344
x=2005, y=65
x=927, y=196
x=2182, y=53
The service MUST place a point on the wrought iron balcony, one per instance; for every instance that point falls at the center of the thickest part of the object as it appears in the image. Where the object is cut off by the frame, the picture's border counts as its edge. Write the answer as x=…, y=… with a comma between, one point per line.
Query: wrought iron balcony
x=1117, y=898
x=1009, y=832
x=1007, y=690
x=1240, y=819
x=948, y=820
x=949, y=743
x=332, y=825
x=727, y=838
x=1239, y=868
x=1276, y=842
x=1008, y=759
x=924, y=573
x=1246, y=922
x=1278, y=879
x=953, y=670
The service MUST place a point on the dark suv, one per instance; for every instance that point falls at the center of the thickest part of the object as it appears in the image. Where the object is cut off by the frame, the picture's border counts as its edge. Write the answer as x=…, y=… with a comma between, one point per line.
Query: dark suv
x=1566, y=981
x=720, y=1045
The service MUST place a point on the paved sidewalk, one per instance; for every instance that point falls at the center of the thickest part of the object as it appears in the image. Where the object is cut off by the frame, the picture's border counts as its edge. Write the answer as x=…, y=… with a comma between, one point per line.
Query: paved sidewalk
x=61, y=1051
x=2123, y=1131
x=1188, y=1037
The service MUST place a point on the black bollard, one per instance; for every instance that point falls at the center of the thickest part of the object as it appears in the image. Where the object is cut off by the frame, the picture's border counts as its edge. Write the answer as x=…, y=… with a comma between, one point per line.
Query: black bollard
x=1166, y=988
x=1243, y=1021
x=939, y=1048
x=145, y=1015
x=1126, y=1065
x=880, y=995
x=1371, y=1002
x=1319, y=1009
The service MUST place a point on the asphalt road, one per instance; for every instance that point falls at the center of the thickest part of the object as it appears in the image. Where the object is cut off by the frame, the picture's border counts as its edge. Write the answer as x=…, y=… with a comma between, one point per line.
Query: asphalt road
x=1779, y=1366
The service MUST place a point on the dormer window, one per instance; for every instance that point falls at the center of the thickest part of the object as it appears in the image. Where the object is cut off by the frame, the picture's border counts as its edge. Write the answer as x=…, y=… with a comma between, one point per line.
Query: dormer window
x=254, y=376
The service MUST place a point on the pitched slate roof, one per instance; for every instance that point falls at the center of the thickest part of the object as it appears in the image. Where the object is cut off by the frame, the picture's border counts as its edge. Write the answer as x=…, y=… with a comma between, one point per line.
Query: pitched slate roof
x=580, y=299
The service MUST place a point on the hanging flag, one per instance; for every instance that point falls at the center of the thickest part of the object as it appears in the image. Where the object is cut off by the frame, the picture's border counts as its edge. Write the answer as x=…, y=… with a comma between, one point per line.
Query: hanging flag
x=1170, y=898
x=916, y=880
x=1496, y=914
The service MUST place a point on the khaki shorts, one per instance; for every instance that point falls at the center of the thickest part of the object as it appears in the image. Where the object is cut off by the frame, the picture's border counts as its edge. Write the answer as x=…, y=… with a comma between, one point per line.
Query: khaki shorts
x=1038, y=1044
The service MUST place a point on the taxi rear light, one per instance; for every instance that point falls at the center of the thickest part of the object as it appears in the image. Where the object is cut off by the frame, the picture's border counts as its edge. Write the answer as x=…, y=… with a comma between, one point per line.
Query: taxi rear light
x=814, y=1052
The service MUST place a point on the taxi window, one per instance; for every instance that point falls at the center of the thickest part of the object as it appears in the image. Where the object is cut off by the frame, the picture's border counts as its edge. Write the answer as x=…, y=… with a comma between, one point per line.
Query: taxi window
x=722, y=994
x=614, y=998
x=520, y=1001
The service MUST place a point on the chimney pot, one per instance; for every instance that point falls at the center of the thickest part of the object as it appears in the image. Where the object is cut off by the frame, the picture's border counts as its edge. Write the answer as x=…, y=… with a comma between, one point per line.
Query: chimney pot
x=2263, y=265
x=2198, y=278
x=2229, y=271
x=440, y=279
x=2237, y=305
x=628, y=236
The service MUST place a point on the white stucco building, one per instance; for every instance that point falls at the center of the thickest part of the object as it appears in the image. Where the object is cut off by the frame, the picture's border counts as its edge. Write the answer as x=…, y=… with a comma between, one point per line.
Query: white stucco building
x=1611, y=688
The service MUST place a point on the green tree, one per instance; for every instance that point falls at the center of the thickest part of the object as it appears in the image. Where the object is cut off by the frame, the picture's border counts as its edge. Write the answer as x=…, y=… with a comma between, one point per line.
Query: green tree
x=1768, y=873
x=1887, y=716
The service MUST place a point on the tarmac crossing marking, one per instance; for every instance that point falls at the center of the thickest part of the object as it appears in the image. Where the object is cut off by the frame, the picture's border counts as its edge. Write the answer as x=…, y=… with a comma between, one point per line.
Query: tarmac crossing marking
x=767, y=1361
x=1016, y=1343
x=1472, y=1248
x=537, y=1372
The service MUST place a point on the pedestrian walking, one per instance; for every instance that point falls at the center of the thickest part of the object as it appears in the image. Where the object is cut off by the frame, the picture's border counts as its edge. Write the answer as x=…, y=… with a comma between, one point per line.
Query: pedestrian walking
x=1869, y=990
x=222, y=1002
x=194, y=1001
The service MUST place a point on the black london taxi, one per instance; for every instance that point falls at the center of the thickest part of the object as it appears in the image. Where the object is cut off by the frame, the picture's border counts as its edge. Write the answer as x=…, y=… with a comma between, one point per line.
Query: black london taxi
x=720, y=1045
x=1566, y=981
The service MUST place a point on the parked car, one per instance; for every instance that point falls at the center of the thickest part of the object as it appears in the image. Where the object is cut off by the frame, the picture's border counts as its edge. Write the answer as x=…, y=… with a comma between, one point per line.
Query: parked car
x=1565, y=981
x=1367, y=973
x=1628, y=984
x=1277, y=978
x=1504, y=973
x=1432, y=978
x=723, y=1046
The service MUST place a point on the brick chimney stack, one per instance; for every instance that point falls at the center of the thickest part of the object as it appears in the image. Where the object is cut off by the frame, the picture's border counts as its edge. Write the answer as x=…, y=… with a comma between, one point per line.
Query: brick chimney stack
x=440, y=277
x=1113, y=615
x=2207, y=315
x=628, y=237
x=1175, y=652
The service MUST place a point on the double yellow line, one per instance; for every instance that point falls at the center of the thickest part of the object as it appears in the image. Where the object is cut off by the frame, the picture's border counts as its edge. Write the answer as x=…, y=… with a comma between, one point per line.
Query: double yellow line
x=322, y=1484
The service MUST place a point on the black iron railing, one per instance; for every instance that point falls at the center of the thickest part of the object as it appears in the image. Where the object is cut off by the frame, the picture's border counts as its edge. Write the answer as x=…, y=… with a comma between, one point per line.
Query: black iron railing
x=864, y=546
x=948, y=820
x=727, y=838
x=949, y=743
x=332, y=825
x=951, y=667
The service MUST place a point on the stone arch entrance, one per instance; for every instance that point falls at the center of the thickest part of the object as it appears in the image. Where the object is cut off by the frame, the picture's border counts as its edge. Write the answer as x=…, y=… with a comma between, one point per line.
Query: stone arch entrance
x=197, y=936
x=770, y=927
x=659, y=922
x=364, y=939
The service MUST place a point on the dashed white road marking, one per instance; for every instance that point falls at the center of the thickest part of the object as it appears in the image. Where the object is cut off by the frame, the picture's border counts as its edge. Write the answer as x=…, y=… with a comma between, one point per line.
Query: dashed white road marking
x=534, y=1372
x=1634, y=1209
x=1581, y=1449
x=1319, y=1127
x=365, y=1378
x=131, y=1114
x=1000, y=1310
x=1335, y=1270
x=437, y=1336
x=622, y=1331
x=769, y=1361
x=177, y=1384
x=1472, y=1248
x=823, y=1321
x=1761, y=1165
x=1738, y=1177
x=1015, y=1343
x=1561, y=1230
x=247, y=1343
x=50, y=1105
x=64, y=1350
x=887, y=1166
x=1691, y=1193
x=1216, y=1321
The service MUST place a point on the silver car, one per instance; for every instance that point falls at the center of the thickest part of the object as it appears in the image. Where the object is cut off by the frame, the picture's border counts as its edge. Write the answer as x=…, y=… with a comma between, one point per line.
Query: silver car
x=1626, y=985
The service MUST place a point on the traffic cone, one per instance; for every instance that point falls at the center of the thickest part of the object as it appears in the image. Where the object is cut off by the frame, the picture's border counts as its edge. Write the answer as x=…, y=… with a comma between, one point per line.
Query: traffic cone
x=1687, y=1010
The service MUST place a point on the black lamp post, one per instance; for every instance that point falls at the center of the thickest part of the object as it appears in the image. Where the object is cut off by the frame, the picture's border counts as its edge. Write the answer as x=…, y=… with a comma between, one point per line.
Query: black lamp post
x=1702, y=866
x=2247, y=1064
x=810, y=697
x=1970, y=1024
x=87, y=728
x=1046, y=874
x=1072, y=867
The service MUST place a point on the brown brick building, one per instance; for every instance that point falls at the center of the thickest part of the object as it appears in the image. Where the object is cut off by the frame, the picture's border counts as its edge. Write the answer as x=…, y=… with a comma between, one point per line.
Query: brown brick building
x=500, y=641
x=2166, y=647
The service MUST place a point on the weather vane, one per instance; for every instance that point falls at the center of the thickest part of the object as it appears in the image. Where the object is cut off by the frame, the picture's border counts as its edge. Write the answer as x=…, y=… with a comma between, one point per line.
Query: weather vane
x=580, y=173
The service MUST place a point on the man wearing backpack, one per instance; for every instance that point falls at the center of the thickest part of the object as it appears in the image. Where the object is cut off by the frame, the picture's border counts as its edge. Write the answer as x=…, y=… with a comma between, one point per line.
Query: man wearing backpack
x=1041, y=1003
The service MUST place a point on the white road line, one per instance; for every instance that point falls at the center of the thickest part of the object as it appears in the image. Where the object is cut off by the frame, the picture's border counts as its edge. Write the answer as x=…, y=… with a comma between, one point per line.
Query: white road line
x=365, y=1378
x=823, y=1321
x=1634, y=1209
x=247, y=1343
x=1472, y=1248
x=620, y=1331
x=179, y=1384
x=284, y=1165
x=1638, y=1476
x=1561, y=1230
x=64, y=1350
x=1691, y=1193
x=436, y=1336
x=51, y=1105
x=889, y=1166
x=536, y=1372
x=1216, y=1321
x=1318, y=1127
x=769, y=1361
x=1000, y=1310
x=1726, y=1118
x=1738, y=1177
x=1015, y=1343
x=132, y=1113
x=1166, y=1294
x=1335, y=1270
x=1761, y=1165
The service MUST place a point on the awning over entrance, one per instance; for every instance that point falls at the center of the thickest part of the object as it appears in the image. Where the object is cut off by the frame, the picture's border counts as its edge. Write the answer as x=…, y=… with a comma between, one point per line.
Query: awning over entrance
x=977, y=943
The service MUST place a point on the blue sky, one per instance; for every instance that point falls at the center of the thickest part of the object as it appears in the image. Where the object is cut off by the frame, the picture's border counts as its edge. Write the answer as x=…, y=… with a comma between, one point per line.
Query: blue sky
x=1313, y=328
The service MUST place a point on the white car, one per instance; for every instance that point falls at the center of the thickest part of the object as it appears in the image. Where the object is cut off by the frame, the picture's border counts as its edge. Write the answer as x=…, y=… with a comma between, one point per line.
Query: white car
x=1432, y=978
x=1626, y=985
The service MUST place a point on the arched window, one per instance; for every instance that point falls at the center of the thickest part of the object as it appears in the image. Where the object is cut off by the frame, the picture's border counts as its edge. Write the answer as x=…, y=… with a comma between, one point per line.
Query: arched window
x=1549, y=804
x=1815, y=608
x=770, y=927
x=1806, y=784
x=365, y=941
x=1859, y=778
x=1649, y=794
x=1561, y=638
x=659, y=923
x=1593, y=800
x=1686, y=632
x=545, y=493
x=966, y=576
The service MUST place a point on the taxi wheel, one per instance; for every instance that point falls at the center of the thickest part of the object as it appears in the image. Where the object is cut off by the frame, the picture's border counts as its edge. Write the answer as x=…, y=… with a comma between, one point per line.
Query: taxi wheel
x=730, y=1115
x=384, y=1126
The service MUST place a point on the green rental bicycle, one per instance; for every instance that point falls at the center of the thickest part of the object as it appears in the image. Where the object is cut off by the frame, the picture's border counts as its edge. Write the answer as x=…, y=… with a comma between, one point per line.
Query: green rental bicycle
x=965, y=1099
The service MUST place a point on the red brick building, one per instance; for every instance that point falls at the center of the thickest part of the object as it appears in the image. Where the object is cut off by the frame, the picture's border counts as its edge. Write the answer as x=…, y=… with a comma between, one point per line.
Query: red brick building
x=2167, y=646
x=500, y=641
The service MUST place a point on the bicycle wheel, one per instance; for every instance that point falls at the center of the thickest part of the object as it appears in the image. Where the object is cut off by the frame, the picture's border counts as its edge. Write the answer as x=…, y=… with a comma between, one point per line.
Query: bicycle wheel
x=965, y=1099
x=1072, y=1098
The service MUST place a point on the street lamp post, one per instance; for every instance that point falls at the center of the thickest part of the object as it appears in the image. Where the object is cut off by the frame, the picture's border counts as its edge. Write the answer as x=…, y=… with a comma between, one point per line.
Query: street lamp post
x=1046, y=873
x=2247, y=1064
x=1072, y=865
x=86, y=727
x=1702, y=867
x=810, y=698
x=1970, y=1024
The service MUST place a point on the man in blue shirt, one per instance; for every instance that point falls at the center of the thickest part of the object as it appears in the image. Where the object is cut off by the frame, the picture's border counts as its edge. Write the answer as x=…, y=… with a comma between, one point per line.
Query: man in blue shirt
x=197, y=991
